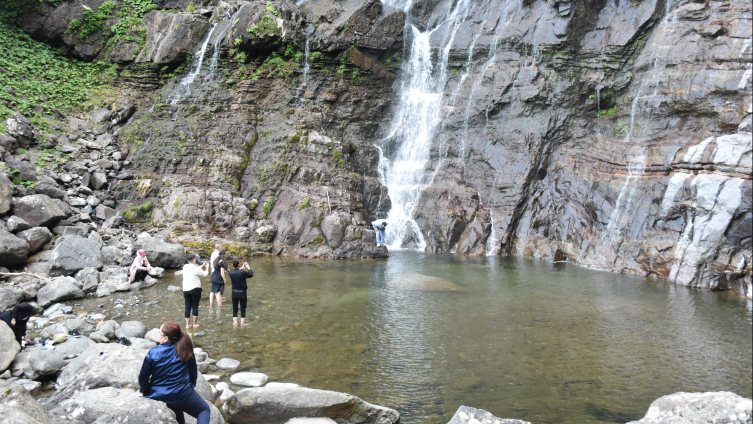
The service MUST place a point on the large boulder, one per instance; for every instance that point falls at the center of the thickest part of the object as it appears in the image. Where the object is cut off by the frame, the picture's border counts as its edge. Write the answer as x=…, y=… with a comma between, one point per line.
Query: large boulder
x=88, y=278
x=88, y=406
x=36, y=237
x=102, y=365
x=161, y=253
x=279, y=404
x=38, y=210
x=468, y=415
x=709, y=407
x=6, y=193
x=16, y=224
x=258, y=27
x=129, y=329
x=58, y=290
x=18, y=407
x=75, y=253
x=13, y=250
x=10, y=296
x=9, y=347
x=74, y=346
x=46, y=362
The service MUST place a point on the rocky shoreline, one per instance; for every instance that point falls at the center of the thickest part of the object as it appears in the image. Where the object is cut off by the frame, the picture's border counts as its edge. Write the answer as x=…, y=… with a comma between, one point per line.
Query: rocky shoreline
x=92, y=378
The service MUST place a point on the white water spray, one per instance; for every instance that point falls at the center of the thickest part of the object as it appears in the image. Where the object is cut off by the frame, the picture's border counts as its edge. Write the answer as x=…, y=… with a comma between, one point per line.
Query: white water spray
x=412, y=131
x=183, y=88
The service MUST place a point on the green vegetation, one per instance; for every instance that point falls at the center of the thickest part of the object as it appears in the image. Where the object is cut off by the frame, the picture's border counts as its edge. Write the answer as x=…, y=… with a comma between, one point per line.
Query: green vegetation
x=304, y=204
x=38, y=75
x=341, y=68
x=358, y=235
x=137, y=213
x=266, y=25
x=318, y=241
x=91, y=21
x=205, y=248
x=271, y=9
x=608, y=112
x=268, y=205
x=338, y=156
x=252, y=204
x=592, y=96
x=313, y=56
x=191, y=8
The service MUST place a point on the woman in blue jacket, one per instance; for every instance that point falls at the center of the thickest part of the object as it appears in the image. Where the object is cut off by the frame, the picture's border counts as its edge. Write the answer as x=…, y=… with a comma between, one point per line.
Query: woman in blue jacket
x=169, y=375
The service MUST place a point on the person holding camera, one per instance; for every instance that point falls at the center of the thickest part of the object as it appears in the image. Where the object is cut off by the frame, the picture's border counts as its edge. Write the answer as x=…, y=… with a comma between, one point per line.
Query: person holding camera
x=219, y=277
x=192, y=274
x=238, y=278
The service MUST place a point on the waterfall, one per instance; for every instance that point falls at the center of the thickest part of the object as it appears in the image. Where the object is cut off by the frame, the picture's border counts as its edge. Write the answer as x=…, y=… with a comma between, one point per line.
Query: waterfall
x=124, y=125
x=183, y=88
x=635, y=170
x=217, y=45
x=413, y=127
x=306, y=69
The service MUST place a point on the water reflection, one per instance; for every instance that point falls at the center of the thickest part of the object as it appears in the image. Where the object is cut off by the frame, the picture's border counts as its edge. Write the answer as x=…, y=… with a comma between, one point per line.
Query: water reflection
x=528, y=340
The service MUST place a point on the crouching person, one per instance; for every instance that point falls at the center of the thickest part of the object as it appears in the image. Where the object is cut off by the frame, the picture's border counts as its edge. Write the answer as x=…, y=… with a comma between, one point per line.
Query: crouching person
x=169, y=375
x=140, y=267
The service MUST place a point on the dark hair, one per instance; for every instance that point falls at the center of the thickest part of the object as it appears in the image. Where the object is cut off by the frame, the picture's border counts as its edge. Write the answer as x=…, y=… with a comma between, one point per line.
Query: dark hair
x=235, y=263
x=219, y=257
x=182, y=341
x=190, y=258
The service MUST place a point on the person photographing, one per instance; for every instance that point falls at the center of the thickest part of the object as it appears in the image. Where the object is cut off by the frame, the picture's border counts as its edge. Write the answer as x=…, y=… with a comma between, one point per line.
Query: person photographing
x=219, y=277
x=238, y=278
x=192, y=274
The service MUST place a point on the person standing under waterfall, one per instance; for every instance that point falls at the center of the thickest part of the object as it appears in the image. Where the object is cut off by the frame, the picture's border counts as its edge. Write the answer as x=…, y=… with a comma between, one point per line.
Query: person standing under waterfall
x=219, y=277
x=380, y=226
x=192, y=274
x=238, y=278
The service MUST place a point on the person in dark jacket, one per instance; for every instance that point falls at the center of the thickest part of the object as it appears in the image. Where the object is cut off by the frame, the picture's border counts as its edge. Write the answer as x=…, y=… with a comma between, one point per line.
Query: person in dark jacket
x=219, y=277
x=169, y=374
x=238, y=278
x=18, y=317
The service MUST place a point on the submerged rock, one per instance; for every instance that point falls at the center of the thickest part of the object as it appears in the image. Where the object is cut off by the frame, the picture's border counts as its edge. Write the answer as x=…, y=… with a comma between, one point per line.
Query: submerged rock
x=265, y=405
x=709, y=407
x=420, y=282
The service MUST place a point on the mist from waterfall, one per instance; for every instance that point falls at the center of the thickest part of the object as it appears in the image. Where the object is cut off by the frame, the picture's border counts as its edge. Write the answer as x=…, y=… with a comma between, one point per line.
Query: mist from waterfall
x=405, y=171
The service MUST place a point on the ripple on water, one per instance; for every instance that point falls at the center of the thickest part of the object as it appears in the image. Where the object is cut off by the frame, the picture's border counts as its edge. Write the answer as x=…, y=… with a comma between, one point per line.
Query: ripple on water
x=526, y=340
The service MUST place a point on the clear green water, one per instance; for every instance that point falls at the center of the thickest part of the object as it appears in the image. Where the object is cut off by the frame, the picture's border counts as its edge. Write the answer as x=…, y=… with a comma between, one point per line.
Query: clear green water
x=529, y=340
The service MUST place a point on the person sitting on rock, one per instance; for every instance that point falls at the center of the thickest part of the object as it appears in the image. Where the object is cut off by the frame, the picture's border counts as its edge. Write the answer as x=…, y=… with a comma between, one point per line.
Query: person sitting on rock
x=140, y=267
x=18, y=317
x=219, y=277
x=192, y=274
x=238, y=278
x=169, y=374
x=380, y=226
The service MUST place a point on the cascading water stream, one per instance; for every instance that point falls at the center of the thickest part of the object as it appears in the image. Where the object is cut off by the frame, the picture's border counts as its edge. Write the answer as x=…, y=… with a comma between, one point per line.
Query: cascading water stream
x=412, y=130
x=183, y=88
x=306, y=69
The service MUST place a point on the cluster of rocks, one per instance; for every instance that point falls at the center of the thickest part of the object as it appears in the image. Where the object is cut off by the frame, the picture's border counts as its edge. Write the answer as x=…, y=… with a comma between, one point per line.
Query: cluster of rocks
x=95, y=375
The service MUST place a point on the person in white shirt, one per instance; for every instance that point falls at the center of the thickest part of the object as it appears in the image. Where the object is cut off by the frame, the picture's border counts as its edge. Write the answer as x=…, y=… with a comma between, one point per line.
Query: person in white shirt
x=380, y=225
x=192, y=274
x=213, y=256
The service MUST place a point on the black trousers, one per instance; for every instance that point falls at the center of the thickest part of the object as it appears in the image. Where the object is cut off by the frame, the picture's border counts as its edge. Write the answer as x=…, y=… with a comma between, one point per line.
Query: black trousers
x=191, y=299
x=140, y=275
x=242, y=301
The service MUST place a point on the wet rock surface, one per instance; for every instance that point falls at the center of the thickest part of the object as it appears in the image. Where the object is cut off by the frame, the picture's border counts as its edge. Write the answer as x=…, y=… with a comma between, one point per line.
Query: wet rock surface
x=467, y=415
x=699, y=407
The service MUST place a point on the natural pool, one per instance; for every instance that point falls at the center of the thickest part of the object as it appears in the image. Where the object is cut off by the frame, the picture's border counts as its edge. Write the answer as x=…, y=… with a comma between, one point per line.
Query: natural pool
x=542, y=342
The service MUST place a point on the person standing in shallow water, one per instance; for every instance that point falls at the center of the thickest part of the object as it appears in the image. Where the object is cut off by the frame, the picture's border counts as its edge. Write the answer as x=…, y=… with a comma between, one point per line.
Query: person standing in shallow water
x=192, y=274
x=219, y=277
x=238, y=278
x=169, y=374
x=380, y=226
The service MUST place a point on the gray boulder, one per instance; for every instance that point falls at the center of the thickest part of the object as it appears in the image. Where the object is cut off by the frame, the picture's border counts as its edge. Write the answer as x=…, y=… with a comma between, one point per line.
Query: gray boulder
x=709, y=407
x=74, y=346
x=13, y=250
x=38, y=210
x=144, y=344
x=279, y=404
x=89, y=279
x=89, y=405
x=18, y=406
x=100, y=115
x=82, y=325
x=49, y=187
x=228, y=364
x=58, y=290
x=46, y=362
x=10, y=296
x=98, y=337
x=129, y=329
x=98, y=180
x=36, y=237
x=103, y=212
x=16, y=224
x=108, y=329
x=171, y=36
x=6, y=193
x=75, y=253
x=161, y=253
x=9, y=347
x=153, y=336
x=249, y=379
x=468, y=415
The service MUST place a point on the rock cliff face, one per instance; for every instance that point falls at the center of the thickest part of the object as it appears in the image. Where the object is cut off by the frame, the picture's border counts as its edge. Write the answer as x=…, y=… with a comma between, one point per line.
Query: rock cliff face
x=614, y=135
